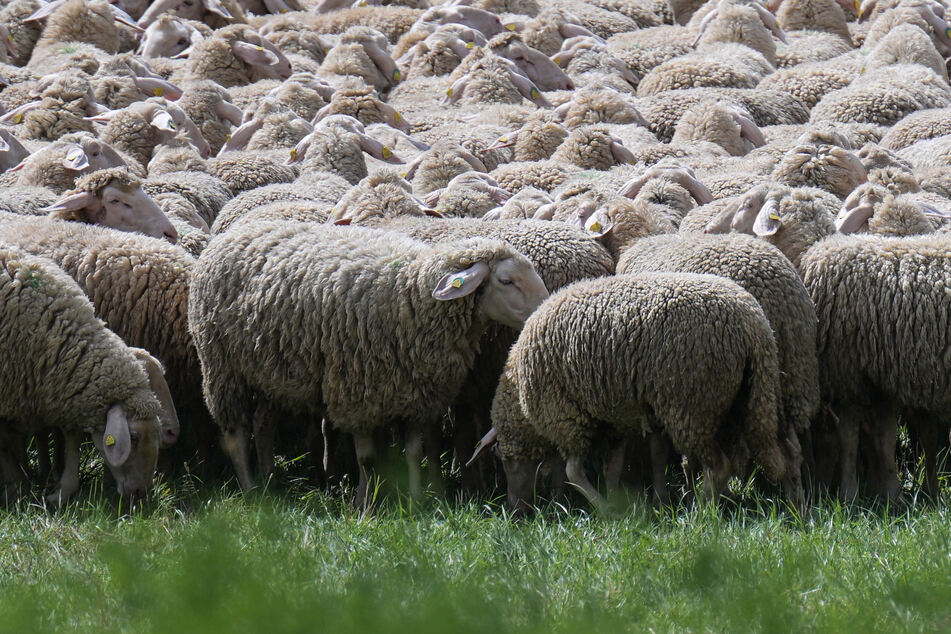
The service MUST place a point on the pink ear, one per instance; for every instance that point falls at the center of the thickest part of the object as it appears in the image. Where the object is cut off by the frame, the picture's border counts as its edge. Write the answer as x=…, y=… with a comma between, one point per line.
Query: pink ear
x=74, y=202
x=45, y=11
x=343, y=222
x=855, y=219
x=767, y=220
x=254, y=55
x=163, y=121
x=462, y=283
x=215, y=6
x=16, y=115
x=156, y=87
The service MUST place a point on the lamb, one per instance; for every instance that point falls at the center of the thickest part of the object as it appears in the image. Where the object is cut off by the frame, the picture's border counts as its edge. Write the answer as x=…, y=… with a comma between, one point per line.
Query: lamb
x=71, y=373
x=702, y=379
x=769, y=277
x=236, y=56
x=380, y=387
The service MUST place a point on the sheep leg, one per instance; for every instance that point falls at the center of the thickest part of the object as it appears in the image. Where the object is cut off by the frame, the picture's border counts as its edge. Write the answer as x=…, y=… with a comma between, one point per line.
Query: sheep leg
x=69, y=480
x=574, y=469
x=923, y=430
x=317, y=449
x=433, y=447
x=848, y=429
x=613, y=467
x=659, y=450
x=883, y=434
x=520, y=477
x=44, y=466
x=365, y=451
x=264, y=432
x=716, y=475
x=14, y=476
x=414, y=456
x=235, y=443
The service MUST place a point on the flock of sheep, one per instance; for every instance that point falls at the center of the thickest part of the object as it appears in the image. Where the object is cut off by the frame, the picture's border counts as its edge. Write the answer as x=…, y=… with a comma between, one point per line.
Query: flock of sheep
x=618, y=234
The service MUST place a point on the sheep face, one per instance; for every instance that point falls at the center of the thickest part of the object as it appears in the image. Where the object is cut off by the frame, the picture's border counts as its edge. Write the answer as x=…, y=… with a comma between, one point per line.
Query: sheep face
x=119, y=208
x=165, y=38
x=130, y=446
x=511, y=289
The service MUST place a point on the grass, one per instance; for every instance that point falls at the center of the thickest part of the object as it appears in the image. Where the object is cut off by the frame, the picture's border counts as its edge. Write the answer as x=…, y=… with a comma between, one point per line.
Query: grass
x=297, y=561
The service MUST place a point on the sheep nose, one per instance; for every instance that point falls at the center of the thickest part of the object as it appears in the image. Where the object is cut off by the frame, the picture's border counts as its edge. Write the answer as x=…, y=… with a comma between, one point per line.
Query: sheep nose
x=171, y=235
x=169, y=437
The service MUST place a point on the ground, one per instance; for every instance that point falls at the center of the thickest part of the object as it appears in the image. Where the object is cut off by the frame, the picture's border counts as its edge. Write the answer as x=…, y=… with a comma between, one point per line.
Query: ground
x=296, y=560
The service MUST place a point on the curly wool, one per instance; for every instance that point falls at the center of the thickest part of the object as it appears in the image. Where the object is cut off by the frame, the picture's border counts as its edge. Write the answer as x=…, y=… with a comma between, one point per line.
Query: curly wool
x=644, y=50
x=808, y=82
x=884, y=96
x=814, y=15
x=712, y=122
x=86, y=21
x=206, y=192
x=198, y=101
x=894, y=341
x=697, y=70
x=68, y=368
x=769, y=277
x=589, y=107
x=411, y=367
x=26, y=200
x=810, y=46
x=588, y=147
x=544, y=175
x=24, y=34
x=739, y=24
x=241, y=171
x=610, y=331
x=214, y=59
x=907, y=44
x=918, y=126
x=330, y=190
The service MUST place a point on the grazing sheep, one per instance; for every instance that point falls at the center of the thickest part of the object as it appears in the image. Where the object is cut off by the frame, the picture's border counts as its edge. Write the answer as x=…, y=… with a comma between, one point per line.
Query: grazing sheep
x=769, y=277
x=69, y=372
x=412, y=374
x=236, y=56
x=578, y=361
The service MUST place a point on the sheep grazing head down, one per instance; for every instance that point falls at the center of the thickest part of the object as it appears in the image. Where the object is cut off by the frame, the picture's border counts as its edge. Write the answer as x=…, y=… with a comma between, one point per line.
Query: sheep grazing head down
x=510, y=288
x=114, y=198
x=129, y=442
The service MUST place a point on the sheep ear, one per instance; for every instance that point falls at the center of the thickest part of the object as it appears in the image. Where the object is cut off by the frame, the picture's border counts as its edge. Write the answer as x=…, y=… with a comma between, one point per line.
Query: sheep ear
x=599, y=224
x=45, y=11
x=76, y=160
x=16, y=115
x=215, y=6
x=462, y=283
x=767, y=220
x=74, y=202
x=241, y=136
x=116, y=440
x=855, y=218
x=163, y=121
x=229, y=112
x=157, y=87
x=343, y=222
x=545, y=212
x=168, y=419
x=254, y=55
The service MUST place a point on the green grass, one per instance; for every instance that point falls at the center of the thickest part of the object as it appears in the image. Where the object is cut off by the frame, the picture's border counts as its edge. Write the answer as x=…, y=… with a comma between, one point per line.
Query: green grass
x=297, y=561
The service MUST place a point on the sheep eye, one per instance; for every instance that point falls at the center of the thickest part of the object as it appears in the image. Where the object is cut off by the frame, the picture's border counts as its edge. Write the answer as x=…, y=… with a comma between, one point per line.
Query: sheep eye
x=114, y=201
x=182, y=42
x=505, y=282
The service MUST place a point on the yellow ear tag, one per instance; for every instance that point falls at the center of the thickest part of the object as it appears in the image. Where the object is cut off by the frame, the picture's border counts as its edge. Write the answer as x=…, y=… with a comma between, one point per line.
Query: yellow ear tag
x=158, y=92
x=283, y=10
x=227, y=137
x=397, y=75
x=595, y=226
x=396, y=117
x=774, y=216
x=503, y=139
x=534, y=93
x=947, y=32
x=510, y=26
x=449, y=93
x=10, y=39
x=387, y=152
x=260, y=48
x=110, y=440
x=402, y=174
x=294, y=154
x=858, y=5
x=74, y=154
x=470, y=44
x=457, y=283
x=17, y=118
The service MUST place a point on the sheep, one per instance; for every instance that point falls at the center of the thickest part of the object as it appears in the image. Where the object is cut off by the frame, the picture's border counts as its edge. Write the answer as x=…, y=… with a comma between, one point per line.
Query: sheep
x=171, y=35
x=207, y=193
x=470, y=194
x=884, y=352
x=809, y=47
x=91, y=22
x=441, y=51
x=722, y=123
x=726, y=66
x=361, y=52
x=704, y=376
x=64, y=101
x=769, y=277
x=377, y=198
x=364, y=106
x=648, y=48
x=58, y=165
x=814, y=15
x=927, y=153
x=884, y=96
x=750, y=25
x=139, y=128
x=214, y=13
x=114, y=198
x=209, y=107
x=269, y=125
x=23, y=34
x=303, y=93
x=331, y=189
x=918, y=126
x=236, y=56
x=907, y=44
x=377, y=388
x=543, y=175
x=70, y=372
x=809, y=82
x=590, y=106
x=492, y=79
x=522, y=205
x=827, y=167
x=193, y=232
x=139, y=287
x=767, y=107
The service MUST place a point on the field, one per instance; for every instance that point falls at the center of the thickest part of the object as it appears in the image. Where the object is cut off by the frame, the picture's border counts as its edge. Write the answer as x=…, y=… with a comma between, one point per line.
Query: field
x=298, y=561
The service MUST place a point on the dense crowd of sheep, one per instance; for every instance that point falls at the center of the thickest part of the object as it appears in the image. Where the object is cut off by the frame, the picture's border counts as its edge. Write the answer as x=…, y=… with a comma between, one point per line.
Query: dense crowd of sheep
x=617, y=235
